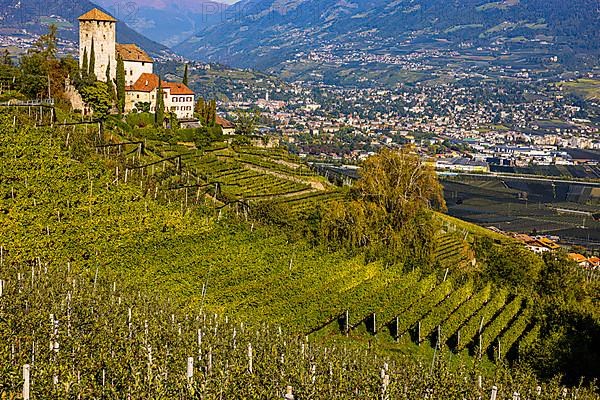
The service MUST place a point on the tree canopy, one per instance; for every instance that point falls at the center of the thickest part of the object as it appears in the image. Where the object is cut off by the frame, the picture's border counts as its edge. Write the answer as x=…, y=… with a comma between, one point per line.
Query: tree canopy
x=388, y=209
x=98, y=97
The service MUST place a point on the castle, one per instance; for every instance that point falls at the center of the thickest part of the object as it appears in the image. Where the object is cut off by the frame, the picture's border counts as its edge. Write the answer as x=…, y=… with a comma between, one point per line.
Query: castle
x=97, y=37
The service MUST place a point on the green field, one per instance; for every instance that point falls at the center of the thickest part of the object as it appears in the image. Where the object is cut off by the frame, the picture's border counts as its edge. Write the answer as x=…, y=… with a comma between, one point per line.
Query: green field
x=587, y=88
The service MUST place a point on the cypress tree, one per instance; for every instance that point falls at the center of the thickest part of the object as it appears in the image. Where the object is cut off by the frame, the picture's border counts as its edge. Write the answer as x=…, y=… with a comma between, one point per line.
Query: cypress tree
x=185, y=75
x=159, y=112
x=92, y=67
x=120, y=78
x=84, y=65
x=200, y=109
x=213, y=113
x=109, y=83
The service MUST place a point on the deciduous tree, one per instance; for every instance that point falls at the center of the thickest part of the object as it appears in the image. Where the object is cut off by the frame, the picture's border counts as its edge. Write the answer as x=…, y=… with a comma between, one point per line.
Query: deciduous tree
x=388, y=211
x=97, y=97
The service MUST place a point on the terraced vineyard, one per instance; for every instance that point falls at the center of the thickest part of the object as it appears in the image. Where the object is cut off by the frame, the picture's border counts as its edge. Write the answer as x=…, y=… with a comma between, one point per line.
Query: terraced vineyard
x=459, y=317
x=357, y=298
x=102, y=219
x=248, y=173
x=306, y=202
x=453, y=252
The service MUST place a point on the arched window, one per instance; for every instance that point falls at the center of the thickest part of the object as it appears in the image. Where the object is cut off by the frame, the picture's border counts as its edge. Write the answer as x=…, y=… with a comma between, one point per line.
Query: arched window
x=174, y=99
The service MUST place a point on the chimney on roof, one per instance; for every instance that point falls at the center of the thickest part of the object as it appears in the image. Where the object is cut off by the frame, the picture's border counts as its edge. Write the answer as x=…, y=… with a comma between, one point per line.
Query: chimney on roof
x=146, y=82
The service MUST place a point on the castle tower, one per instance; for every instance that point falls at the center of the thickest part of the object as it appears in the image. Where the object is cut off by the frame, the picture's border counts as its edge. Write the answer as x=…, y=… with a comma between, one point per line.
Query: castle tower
x=99, y=29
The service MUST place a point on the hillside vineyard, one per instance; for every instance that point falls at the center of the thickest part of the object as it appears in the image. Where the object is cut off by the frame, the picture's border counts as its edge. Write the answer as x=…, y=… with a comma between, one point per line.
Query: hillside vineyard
x=99, y=229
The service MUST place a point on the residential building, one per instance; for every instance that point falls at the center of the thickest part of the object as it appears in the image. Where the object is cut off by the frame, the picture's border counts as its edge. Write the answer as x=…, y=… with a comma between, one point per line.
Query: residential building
x=135, y=61
x=228, y=127
x=178, y=98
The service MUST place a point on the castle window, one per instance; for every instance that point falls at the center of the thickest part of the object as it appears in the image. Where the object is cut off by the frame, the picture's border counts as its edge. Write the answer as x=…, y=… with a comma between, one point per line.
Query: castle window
x=138, y=96
x=143, y=63
x=175, y=99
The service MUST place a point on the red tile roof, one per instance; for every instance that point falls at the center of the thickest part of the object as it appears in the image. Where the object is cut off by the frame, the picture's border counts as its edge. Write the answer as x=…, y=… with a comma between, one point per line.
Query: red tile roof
x=223, y=123
x=145, y=83
x=130, y=52
x=148, y=82
x=96, y=15
x=177, y=88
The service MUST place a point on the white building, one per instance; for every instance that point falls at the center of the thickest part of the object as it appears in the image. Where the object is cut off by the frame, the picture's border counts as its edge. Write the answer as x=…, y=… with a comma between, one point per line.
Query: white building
x=178, y=98
x=98, y=30
x=135, y=60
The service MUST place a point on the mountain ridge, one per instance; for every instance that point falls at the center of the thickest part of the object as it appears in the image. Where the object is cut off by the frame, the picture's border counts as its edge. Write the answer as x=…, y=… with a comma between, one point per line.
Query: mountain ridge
x=268, y=34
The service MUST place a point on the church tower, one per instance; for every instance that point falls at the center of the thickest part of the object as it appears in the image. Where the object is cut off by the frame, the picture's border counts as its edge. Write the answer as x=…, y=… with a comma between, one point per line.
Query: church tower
x=97, y=30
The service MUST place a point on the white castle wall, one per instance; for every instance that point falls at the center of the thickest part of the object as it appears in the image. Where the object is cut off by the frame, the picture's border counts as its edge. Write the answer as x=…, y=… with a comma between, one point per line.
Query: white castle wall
x=134, y=69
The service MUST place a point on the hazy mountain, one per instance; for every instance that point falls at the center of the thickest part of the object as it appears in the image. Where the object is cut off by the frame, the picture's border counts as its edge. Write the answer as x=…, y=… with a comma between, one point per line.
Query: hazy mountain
x=34, y=16
x=167, y=22
x=276, y=34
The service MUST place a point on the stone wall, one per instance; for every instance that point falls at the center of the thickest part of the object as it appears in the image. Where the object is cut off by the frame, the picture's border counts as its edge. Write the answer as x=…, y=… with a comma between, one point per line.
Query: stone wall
x=103, y=34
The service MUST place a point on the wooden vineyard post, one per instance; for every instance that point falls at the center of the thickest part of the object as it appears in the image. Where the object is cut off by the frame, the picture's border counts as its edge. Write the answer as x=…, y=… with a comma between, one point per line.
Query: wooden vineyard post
x=499, y=352
x=418, y=332
x=458, y=338
x=397, y=328
x=346, y=319
x=1, y=287
x=26, y=383
x=494, y=393
x=250, y=358
x=209, y=365
x=374, y=324
x=480, y=343
x=288, y=393
x=190, y=369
